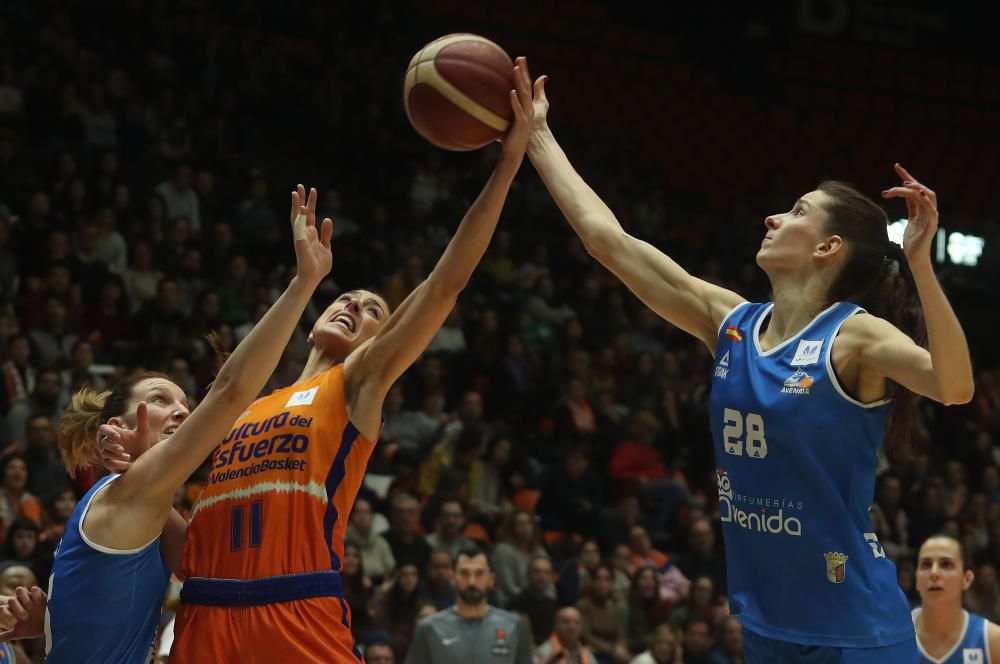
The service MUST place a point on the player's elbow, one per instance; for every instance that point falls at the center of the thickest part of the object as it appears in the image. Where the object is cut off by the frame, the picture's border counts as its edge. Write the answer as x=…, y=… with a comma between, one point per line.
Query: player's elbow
x=958, y=395
x=603, y=244
x=443, y=287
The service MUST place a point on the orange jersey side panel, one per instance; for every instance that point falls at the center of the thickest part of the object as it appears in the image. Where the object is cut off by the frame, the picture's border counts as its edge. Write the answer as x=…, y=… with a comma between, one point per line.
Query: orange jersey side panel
x=281, y=486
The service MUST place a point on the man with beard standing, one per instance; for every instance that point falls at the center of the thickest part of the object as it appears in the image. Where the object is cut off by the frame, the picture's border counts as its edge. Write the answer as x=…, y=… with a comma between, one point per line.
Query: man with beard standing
x=472, y=631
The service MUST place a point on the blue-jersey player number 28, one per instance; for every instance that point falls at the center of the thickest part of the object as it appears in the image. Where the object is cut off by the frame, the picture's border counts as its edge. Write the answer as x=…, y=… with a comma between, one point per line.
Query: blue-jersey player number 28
x=744, y=434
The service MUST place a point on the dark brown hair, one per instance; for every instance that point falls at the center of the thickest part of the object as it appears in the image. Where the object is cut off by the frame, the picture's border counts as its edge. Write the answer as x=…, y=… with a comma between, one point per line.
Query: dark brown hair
x=876, y=276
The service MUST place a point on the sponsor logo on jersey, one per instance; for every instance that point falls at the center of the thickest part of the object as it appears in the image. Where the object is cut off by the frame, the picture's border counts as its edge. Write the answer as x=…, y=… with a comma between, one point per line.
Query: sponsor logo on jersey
x=250, y=443
x=303, y=398
x=733, y=333
x=722, y=368
x=836, y=566
x=972, y=656
x=807, y=353
x=766, y=515
x=798, y=383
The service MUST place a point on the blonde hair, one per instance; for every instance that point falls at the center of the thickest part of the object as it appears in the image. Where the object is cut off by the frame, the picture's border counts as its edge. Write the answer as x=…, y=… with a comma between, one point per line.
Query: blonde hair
x=78, y=442
x=87, y=410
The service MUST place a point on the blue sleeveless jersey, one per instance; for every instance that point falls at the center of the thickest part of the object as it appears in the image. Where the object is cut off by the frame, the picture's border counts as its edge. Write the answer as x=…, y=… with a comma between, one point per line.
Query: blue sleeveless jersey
x=972, y=648
x=796, y=459
x=104, y=605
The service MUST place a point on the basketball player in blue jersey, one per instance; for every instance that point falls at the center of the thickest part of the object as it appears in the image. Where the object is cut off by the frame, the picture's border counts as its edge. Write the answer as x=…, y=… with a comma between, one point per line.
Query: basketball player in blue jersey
x=802, y=392
x=947, y=633
x=111, y=567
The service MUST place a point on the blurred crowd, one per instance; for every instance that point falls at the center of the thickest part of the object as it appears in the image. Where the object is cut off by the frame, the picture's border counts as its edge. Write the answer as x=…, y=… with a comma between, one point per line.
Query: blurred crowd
x=145, y=156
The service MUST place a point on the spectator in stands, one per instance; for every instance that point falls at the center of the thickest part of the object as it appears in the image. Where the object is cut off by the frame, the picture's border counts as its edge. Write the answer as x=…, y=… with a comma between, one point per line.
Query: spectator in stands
x=396, y=601
x=22, y=545
x=571, y=495
x=698, y=642
x=701, y=558
x=15, y=500
x=402, y=537
x=450, y=525
x=520, y=542
x=603, y=626
x=645, y=609
x=664, y=648
x=358, y=590
x=730, y=640
x=376, y=554
x=565, y=645
x=44, y=400
x=537, y=602
x=438, y=585
x=47, y=474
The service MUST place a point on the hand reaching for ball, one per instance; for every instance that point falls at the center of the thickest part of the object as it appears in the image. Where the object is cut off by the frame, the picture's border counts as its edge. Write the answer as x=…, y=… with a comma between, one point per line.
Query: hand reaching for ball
x=515, y=141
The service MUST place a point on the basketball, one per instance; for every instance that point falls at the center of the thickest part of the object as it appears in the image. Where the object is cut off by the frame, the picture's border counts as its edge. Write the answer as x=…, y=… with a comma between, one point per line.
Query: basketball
x=457, y=91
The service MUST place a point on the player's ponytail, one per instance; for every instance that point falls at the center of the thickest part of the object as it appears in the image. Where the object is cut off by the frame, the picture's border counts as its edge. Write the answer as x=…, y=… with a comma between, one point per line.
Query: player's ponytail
x=78, y=430
x=876, y=276
x=87, y=410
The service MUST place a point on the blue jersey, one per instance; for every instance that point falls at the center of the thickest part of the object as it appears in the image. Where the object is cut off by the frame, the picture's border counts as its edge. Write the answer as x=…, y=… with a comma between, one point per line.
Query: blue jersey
x=796, y=459
x=6, y=654
x=972, y=648
x=104, y=604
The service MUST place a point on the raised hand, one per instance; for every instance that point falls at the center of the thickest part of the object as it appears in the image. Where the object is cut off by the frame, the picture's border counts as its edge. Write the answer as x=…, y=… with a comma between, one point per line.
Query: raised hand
x=312, y=246
x=515, y=141
x=922, y=212
x=114, y=438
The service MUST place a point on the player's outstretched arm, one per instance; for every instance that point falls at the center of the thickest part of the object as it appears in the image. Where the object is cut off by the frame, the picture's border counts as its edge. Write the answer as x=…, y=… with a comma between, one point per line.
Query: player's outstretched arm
x=694, y=305
x=372, y=369
x=150, y=483
x=944, y=372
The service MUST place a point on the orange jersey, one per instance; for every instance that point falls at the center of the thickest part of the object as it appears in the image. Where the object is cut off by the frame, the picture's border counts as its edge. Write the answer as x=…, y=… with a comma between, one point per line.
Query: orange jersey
x=281, y=487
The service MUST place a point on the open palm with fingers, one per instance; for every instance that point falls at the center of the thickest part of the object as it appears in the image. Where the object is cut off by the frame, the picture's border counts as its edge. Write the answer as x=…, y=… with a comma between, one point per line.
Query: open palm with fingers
x=313, y=256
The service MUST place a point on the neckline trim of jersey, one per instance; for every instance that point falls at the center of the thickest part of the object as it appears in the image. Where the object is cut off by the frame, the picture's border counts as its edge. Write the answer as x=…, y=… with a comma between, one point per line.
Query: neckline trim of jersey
x=783, y=344
x=954, y=647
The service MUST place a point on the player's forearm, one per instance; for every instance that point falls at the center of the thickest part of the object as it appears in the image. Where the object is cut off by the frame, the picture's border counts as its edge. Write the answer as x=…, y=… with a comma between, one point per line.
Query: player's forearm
x=945, y=338
x=466, y=248
x=590, y=217
x=253, y=361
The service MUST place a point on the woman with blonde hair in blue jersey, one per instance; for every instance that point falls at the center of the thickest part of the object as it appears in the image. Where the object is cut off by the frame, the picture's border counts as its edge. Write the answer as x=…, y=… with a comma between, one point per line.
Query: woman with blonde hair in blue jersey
x=113, y=563
x=807, y=390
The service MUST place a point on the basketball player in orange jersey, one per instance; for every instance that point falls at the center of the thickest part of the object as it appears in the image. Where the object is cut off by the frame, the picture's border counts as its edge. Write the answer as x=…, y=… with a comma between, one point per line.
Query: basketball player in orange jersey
x=265, y=542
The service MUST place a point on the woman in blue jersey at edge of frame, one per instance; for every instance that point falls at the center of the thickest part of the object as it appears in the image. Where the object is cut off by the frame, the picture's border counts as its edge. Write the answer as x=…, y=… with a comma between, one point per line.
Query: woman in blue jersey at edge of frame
x=807, y=391
x=946, y=632
x=113, y=563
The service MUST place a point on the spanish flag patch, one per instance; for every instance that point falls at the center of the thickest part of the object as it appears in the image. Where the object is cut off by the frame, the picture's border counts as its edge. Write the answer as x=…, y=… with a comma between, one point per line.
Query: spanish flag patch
x=733, y=333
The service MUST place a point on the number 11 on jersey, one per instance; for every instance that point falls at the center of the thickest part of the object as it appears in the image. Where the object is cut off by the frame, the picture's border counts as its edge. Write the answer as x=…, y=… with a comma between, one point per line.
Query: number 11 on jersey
x=741, y=430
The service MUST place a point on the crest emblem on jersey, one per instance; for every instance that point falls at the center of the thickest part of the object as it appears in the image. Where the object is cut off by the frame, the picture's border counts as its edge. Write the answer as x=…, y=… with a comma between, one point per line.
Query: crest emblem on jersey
x=972, y=656
x=303, y=398
x=722, y=368
x=836, y=566
x=733, y=333
x=798, y=383
x=807, y=353
x=500, y=647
